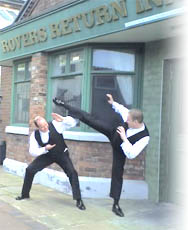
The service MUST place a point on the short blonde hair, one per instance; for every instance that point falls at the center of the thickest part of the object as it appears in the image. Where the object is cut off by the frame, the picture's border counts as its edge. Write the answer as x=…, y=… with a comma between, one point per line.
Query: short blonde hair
x=136, y=115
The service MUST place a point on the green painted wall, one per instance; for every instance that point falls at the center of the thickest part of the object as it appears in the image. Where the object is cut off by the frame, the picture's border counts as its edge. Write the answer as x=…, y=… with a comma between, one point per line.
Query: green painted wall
x=155, y=53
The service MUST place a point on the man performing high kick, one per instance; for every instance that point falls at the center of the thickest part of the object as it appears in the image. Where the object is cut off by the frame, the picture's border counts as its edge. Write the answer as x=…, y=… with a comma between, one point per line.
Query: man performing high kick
x=127, y=140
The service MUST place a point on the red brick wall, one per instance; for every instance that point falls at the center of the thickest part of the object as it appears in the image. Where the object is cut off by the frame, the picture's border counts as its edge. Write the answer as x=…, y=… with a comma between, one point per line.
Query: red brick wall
x=95, y=159
x=6, y=84
x=38, y=87
x=17, y=148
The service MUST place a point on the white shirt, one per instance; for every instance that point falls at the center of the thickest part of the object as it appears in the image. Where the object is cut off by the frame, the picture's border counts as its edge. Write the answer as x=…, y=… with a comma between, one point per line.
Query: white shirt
x=131, y=151
x=35, y=149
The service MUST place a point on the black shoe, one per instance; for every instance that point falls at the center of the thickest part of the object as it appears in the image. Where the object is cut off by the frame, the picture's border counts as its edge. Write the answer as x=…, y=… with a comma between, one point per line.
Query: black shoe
x=22, y=197
x=117, y=210
x=58, y=102
x=80, y=205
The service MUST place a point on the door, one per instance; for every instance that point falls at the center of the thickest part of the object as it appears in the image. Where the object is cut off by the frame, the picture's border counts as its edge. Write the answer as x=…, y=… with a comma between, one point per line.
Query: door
x=173, y=132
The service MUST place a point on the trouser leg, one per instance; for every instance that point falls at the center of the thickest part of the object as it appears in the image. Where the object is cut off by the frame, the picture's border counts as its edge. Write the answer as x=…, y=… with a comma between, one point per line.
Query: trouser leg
x=90, y=120
x=37, y=165
x=66, y=164
x=117, y=174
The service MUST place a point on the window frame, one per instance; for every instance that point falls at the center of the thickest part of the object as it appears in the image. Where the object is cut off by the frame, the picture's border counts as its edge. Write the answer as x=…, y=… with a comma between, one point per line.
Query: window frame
x=66, y=74
x=14, y=83
x=139, y=55
x=88, y=74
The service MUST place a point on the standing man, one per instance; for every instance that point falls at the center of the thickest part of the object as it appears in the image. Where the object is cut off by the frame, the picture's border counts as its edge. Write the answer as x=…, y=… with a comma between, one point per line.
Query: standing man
x=127, y=140
x=48, y=146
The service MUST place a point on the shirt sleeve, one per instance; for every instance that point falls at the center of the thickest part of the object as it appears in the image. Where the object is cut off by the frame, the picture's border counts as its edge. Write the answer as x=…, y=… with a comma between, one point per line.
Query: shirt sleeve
x=67, y=123
x=122, y=110
x=34, y=148
x=132, y=151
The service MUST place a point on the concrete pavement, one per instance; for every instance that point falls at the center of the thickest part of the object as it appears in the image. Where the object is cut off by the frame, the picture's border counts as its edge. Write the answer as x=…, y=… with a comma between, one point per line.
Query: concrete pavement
x=13, y=219
x=48, y=209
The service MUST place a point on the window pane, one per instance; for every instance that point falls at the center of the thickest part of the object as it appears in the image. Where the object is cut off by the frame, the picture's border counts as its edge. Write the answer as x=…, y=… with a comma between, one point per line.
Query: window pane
x=20, y=75
x=121, y=88
x=112, y=60
x=28, y=73
x=22, y=102
x=69, y=90
x=76, y=61
x=59, y=63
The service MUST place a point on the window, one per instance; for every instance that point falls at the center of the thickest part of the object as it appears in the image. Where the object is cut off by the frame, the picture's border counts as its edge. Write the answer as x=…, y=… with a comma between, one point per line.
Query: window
x=83, y=77
x=67, y=74
x=113, y=60
x=21, y=93
x=114, y=73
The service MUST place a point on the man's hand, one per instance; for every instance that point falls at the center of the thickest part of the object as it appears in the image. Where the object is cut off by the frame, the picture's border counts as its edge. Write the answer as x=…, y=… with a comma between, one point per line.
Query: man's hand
x=121, y=132
x=49, y=147
x=57, y=117
x=110, y=99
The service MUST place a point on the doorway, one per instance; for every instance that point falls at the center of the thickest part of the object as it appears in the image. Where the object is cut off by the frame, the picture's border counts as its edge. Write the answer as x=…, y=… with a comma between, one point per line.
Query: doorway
x=173, y=132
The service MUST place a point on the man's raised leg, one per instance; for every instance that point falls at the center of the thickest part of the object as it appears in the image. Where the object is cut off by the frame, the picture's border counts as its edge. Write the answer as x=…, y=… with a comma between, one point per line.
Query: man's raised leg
x=86, y=118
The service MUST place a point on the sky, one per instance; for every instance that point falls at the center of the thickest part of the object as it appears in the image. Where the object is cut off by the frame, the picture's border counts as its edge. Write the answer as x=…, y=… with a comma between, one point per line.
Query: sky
x=7, y=16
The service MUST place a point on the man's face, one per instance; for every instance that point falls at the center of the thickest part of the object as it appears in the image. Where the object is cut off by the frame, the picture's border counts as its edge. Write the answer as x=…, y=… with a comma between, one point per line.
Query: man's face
x=42, y=125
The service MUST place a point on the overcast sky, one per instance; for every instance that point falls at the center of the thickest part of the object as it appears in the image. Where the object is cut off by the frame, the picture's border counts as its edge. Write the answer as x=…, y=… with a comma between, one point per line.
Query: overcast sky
x=7, y=16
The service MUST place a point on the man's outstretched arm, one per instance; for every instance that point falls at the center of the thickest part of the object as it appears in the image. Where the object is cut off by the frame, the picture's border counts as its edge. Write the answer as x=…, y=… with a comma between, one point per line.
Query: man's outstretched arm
x=122, y=110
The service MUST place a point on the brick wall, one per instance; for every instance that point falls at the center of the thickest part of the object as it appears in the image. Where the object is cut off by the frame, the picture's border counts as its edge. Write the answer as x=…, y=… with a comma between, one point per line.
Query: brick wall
x=95, y=159
x=38, y=87
x=17, y=148
x=6, y=85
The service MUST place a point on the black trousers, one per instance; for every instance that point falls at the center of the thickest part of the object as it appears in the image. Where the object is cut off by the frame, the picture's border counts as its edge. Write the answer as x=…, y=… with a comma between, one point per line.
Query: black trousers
x=44, y=160
x=118, y=155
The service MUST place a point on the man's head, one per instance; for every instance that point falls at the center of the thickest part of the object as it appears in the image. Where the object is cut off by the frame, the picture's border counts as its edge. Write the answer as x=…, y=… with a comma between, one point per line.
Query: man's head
x=41, y=124
x=135, y=118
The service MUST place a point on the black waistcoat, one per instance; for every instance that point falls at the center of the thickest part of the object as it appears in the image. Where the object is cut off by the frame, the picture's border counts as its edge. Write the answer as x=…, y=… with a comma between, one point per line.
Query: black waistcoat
x=54, y=138
x=117, y=141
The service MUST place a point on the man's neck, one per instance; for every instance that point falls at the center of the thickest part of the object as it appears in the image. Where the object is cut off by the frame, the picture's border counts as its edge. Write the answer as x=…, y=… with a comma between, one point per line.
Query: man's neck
x=139, y=125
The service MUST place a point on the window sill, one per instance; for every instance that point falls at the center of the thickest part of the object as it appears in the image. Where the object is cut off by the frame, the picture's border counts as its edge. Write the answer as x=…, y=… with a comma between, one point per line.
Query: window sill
x=69, y=135
x=17, y=130
x=85, y=136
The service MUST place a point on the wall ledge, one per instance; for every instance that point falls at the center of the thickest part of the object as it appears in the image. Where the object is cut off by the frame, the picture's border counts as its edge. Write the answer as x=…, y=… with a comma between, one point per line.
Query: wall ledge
x=91, y=187
x=68, y=135
x=17, y=130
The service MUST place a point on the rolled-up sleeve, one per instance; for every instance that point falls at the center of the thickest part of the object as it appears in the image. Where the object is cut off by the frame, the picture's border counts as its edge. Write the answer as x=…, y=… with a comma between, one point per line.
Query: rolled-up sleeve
x=67, y=123
x=34, y=148
x=122, y=110
x=132, y=151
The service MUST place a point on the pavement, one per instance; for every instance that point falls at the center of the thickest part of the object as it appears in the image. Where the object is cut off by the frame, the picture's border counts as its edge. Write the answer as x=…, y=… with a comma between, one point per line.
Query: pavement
x=48, y=209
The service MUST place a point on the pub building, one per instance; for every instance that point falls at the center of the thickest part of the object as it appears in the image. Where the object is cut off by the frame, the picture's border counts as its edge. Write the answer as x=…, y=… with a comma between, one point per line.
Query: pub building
x=80, y=50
